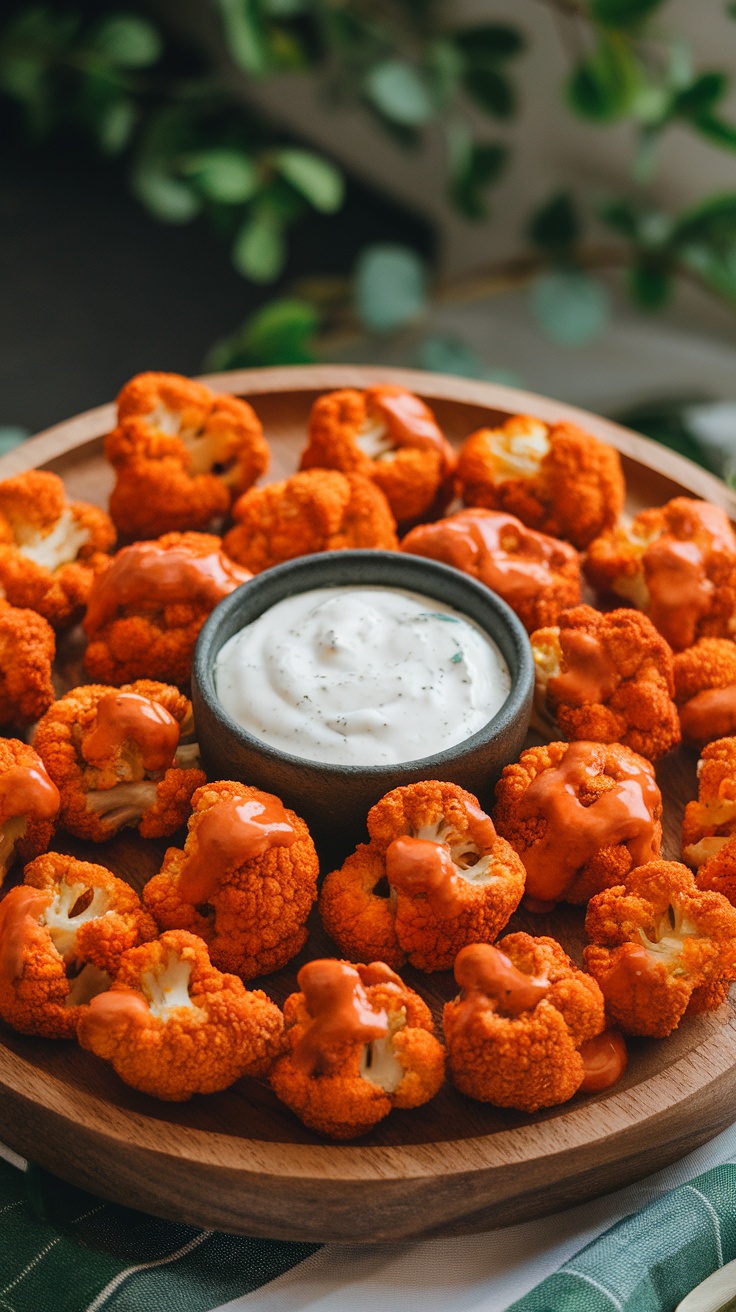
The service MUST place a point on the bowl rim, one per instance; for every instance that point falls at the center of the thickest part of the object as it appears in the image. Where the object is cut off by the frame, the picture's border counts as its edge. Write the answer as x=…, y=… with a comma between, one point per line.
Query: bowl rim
x=522, y=682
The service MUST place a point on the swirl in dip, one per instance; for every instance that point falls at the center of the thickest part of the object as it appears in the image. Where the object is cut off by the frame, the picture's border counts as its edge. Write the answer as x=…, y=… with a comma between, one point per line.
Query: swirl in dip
x=361, y=676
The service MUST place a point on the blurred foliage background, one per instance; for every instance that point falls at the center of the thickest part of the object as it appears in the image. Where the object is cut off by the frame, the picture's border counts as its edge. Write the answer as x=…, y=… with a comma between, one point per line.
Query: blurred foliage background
x=163, y=99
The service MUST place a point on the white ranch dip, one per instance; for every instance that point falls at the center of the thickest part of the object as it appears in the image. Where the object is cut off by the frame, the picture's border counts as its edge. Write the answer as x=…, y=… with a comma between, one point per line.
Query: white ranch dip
x=361, y=676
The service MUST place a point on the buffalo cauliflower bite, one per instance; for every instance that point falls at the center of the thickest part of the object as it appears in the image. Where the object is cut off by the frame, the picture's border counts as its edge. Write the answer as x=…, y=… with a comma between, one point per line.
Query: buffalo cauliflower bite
x=677, y=563
x=245, y=881
x=116, y=757
x=181, y=454
x=448, y=879
x=607, y=678
x=27, y=651
x=536, y=575
x=388, y=435
x=361, y=1043
x=555, y=478
x=29, y=804
x=318, y=510
x=705, y=690
x=172, y=1025
x=581, y=815
x=50, y=549
x=147, y=607
x=709, y=825
x=62, y=934
x=514, y=1033
x=656, y=940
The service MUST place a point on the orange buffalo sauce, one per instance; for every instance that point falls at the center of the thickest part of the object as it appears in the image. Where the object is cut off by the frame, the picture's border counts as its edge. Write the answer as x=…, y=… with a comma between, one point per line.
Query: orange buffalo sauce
x=680, y=592
x=20, y=911
x=604, y=1061
x=149, y=576
x=27, y=790
x=493, y=547
x=230, y=833
x=634, y=970
x=484, y=972
x=109, y=1008
x=340, y=1010
x=410, y=422
x=417, y=865
x=710, y=714
x=591, y=676
x=574, y=832
x=127, y=717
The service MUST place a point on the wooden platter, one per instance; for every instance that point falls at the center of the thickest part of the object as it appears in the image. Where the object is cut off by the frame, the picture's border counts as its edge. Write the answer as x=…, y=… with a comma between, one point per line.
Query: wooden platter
x=239, y=1161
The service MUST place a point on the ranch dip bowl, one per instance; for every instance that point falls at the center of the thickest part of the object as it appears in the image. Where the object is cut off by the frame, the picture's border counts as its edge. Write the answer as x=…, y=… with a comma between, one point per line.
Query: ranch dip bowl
x=335, y=795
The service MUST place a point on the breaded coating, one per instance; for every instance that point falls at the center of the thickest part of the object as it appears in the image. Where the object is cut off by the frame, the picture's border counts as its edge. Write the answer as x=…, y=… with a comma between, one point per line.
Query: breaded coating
x=581, y=815
x=360, y=1043
x=29, y=804
x=27, y=652
x=172, y=1025
x=116, y=757
x=656, y=939
x=677, y=563
x=51, y=549
x=607, y=678
x=388, y=435
x=245, y=881
x=147, y=608
x=515, y=1031
x=536, y=575
x=705, y=690
x=555, y=478
x=181, y=454
x=448, y=877
x=62, y=935
x=709, y=825
x=319, y=510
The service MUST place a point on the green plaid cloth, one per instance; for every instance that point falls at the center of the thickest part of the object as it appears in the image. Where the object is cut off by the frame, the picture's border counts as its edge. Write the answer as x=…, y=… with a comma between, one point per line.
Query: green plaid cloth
x=651, y=1260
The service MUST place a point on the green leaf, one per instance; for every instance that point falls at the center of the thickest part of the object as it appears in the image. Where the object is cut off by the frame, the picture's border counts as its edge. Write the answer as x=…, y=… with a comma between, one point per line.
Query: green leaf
x=115, y=124
x=259, y=252
x=390, y=287
x=714, y=218
x=650, y=285
x=165, y=197
x=12, y=435
x=279, y=333
x=244, y=35
x=490, y=89
x=478, y=167
x=128, y=41
x=702, y=95
x=622, y=13
x=228, y=177
x=285, y=8
x=556, y=226
x=443, y=70
x=314, y=177
x=571, y=307
x=488, y=42
x=623, y=216
x=720, y=133
x=397, y=89
x=604, y=87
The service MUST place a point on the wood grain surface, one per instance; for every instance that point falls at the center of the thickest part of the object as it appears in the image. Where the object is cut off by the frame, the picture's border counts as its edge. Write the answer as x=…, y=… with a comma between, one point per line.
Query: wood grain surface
x=239, y=1161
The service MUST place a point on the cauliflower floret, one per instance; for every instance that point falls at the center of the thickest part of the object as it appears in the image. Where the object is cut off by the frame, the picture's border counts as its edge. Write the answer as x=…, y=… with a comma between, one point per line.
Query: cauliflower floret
x=27, y=651
x=146, y=609
x=319, y=510
x=580, y=815
x=709, y=825
x=114, y=756
x=655, y=939
x=50, y=549
x=555, y=478
x=515, y=1032
x=388, y=435
x=62, y=935
x=607, y=678
x=181, y=454
x=536, y=575
x=677, y=564
x=172, y=1025
x=245, y=881
x=361, y=1042
x=705, y=690
x=29, y=804
x=448, y=878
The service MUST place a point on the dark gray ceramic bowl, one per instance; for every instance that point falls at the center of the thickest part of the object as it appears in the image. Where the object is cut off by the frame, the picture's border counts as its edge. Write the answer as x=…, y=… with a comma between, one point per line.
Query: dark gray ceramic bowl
x=335, y=799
